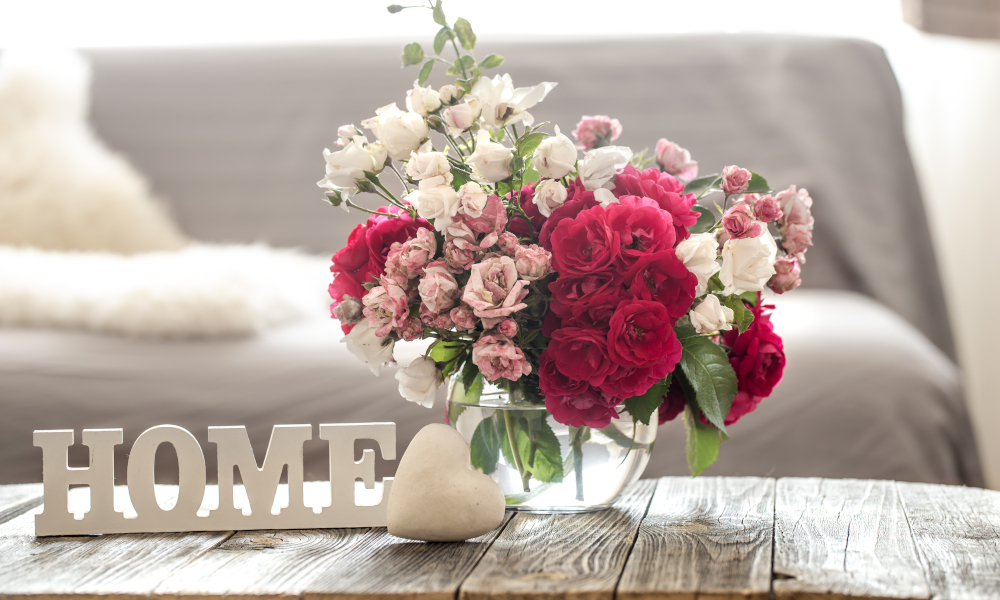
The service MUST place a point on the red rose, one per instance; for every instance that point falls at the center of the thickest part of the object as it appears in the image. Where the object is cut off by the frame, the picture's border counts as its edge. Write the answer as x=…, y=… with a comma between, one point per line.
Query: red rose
x=641, y=335
x=743, y=404
x=757, y=355
x=552, y=381
x=673, y=403
x=642, y=227
x=666, y=190
x=585, y=244
x=663, y=277
x=517, y=224
x=382, y=231
x=594, y=312
x=350, y=269
x=626, y=382
x=581, y=354
x=577, y=199
x=587, y=409
x=570, y=292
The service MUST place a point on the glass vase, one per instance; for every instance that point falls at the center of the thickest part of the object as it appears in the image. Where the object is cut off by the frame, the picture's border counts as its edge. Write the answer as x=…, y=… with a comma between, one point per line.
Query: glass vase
x=550, y=467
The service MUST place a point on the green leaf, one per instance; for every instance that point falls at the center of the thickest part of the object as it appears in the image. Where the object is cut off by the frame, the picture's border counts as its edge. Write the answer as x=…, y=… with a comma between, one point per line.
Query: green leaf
x=463, y=29
x=742, y=316
x=464, y=61
x=699, y=185
x=705, y=222
x=530, y=176
x=475, y=389
x=750, y=297
x=715, y=283
x=757, y=185
x=442, y=38
x=469, y=374
x=394, y=8
x=498, y=417
x=684, y=330
x=413, y=54
x=484, y=448
x=702, y=442
x=526, y=144
x=546, y=464
x=443, y=351
x=642, y=407
x=455, y=411
x=491, y=62
x=425, y=72
x=706, y=367
x=439, y=14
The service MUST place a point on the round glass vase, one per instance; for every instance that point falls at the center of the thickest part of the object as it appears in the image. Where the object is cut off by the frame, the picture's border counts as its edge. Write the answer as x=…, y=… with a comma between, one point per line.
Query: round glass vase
x=551, y=467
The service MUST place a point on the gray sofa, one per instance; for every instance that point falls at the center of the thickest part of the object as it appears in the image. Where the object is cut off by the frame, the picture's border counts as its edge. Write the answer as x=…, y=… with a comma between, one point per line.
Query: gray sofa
x=232, y=139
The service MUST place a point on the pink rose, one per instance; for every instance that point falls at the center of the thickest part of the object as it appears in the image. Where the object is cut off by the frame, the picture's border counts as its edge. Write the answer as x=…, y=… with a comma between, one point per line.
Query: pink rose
x=438, y=321
x=676, y=160
x=596, y=131
x=463, y=317
x=491, y=222
x=410, y=329
x=765, y=208
x=532, y=262
x=460, y=246
x=796, y=239
x=507, y=328
x=735, y=180
x=796, y=206
x=392, y=224
x=508, y=243
x=497, y=356
x=438, y=287
x=739, y=222
x=494, y=290
x=589, y=408
x=385, y=308
x=666, y=190
x=786, y=275
x=409, y=258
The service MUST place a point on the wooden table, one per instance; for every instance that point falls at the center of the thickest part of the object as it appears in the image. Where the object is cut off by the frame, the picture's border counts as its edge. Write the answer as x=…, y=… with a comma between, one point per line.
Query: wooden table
x=720, y=537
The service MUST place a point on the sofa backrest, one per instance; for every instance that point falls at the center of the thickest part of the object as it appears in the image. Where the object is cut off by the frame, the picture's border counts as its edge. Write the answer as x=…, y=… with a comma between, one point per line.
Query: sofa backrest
x=232, y=138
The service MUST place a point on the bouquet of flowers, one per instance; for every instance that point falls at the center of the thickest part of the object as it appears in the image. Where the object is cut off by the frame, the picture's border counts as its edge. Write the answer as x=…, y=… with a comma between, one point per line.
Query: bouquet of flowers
x=588, y=285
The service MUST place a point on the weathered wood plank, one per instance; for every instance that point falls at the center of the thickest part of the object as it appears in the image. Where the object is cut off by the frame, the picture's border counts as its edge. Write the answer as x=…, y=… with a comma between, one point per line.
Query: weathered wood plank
x=18, y=499
x=843, y=539
x=578, y=557
x=703, y=537
x=110, y=567
x=386, y=567
x=957, y=533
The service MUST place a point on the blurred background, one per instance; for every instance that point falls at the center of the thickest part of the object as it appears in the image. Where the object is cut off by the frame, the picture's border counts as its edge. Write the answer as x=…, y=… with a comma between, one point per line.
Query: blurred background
x=175, y=89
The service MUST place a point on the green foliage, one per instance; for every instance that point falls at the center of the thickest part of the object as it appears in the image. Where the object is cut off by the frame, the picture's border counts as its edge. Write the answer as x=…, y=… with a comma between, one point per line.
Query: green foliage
x=706, y=369
x=757, y=185
x=642, y=407
x=442, y=351
x=705, y=222
x=455, y=411
x=425, y=72
x=394, y=8
x=703, y=442
x=439, y=14
x=750, y=297
x=413, y=54
x=464, y=62
x=742, y=316
x=484, y=448
x=443, y=37
x=530, y=176
x=537, y=444
x=702, y=184
x=491, y=62
x=463, y=29
x=684, y=329
x=527, y=143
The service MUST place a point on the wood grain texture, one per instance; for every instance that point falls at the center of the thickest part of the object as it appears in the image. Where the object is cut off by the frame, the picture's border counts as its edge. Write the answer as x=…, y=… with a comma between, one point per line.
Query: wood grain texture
x=843, y=539
x=386, y=567
x=957, y=533
x=578, y=557
x=704, y=537
x=18, y=499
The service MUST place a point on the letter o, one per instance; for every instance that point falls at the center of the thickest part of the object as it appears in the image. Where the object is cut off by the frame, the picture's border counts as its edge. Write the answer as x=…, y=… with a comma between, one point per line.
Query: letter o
x=190, y=471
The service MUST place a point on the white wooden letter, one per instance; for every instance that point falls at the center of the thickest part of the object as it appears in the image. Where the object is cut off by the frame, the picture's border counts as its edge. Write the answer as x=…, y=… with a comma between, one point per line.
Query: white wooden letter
x=285, y=448
x=190, y=473
x=57, y=477
x=344, y=470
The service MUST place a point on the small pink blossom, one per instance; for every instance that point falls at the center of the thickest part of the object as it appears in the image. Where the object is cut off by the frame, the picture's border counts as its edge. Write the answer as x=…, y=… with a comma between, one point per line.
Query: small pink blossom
x=491, y=222
x=532, y=262
x=786, y=275
x=460, y=246
x=796, y=239
x=438, y=321
x=796, y=206
x=508, y=243
x=735, y=180
x=463, y=317
x=596, y=131
x=438, y=287
x=497, y=356
x=507, y=327
x=765, y=208
x=410, y=329
x=675, y=160
x=385, y=308
x=739, y=222
x=494, y=290
x=407, y=260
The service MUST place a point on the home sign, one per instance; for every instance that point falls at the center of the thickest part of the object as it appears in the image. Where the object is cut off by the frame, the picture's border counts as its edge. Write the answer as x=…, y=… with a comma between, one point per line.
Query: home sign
x=261, y=484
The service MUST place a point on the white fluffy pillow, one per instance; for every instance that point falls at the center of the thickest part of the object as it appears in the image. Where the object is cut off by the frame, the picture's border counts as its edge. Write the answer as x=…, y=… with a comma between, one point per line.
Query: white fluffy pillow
x=201, y=291
x=60, y=187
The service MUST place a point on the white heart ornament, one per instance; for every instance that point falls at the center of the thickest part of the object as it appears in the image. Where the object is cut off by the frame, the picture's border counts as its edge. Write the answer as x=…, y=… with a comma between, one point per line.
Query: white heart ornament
x=436, y=496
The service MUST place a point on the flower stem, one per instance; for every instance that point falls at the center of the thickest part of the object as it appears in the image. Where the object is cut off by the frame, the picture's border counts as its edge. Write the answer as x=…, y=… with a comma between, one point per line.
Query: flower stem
x=406, y=186
x=509, y=423
x=578, y=463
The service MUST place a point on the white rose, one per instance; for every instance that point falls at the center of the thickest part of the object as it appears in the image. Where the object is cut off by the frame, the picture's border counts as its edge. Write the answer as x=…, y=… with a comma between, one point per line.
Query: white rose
x=449, y=93
x=379, y=155
x=491, y=159
x=600, y=166
x=346, y=167
x=472, y=199
x=710, y=316
x=460, y=117
x=501, y=104
x=549, y=195
x=555, y=157
x=346, y=133
x=420, y=381
x=422, y=100
x=748, y=263
x=400, y=132
x=699, y=253
x=434, y=199
x=427, y=165
x=374, y=351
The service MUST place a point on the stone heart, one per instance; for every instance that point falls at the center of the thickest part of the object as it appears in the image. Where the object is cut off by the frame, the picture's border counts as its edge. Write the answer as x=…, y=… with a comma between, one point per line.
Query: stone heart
x=436, y=496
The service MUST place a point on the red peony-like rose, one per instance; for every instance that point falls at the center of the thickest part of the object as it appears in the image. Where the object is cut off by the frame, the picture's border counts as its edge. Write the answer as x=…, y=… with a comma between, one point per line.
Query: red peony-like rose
x=587, y=409
x=673, y=403
x=595, y=312
x=641, y=335
x=757, y=355
x=569, y=293
x=666, y=190
x=553, y=382
x=577, y=199
x=626, y=382
x=585, y=244
x=582, y=354
x=663, y=277
x=642, y=227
